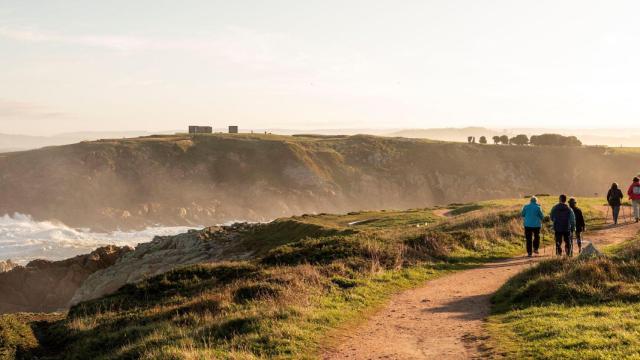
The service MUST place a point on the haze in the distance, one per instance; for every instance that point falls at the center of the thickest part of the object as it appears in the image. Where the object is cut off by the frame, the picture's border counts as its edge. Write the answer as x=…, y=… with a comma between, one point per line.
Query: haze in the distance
x=158, y=65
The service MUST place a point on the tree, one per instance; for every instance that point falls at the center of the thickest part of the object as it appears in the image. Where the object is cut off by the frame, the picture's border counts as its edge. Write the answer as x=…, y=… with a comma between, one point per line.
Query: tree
x=469, y=139
x=520, y=139
x=496, y=139
x=555, y=139
x=483, y=140
x=504, y=139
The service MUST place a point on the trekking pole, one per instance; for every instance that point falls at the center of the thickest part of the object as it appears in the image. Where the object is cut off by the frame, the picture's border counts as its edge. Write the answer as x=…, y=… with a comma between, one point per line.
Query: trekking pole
x=606, y=216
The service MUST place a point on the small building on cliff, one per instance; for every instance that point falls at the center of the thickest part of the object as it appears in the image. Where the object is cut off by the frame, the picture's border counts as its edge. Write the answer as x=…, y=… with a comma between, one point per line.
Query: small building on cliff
x=195, y=129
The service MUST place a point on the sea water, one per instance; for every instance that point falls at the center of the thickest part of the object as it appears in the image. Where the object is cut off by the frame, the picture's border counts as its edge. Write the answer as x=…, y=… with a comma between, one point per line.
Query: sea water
x=23, y=239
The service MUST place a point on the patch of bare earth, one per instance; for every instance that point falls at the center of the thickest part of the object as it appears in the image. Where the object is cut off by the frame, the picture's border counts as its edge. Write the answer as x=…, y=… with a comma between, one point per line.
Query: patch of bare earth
x=444, y=318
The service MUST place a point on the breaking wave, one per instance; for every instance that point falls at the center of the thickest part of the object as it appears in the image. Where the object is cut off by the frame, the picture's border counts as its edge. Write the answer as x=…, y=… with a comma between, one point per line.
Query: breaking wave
x=23, y=239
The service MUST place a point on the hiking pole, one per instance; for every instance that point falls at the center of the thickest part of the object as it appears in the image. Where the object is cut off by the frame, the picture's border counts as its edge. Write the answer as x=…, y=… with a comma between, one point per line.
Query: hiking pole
x=544, y=248
x=606, y=216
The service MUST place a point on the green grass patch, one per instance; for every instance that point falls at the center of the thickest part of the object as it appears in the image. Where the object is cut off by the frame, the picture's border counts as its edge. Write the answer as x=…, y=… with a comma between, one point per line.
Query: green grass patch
x=608, y=331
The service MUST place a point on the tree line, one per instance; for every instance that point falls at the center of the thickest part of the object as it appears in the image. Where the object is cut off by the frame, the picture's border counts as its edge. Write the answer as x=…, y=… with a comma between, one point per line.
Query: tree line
x=522, y=139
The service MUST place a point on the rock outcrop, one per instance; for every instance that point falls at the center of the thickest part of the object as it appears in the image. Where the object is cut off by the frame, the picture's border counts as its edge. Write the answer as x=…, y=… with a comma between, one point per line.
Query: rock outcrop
x=239, y=241
x=45, y=286
x=165, y=253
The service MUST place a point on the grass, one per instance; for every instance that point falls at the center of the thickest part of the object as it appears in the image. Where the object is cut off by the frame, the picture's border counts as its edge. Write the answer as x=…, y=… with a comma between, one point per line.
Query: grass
x=315, y=275
x=572, y=308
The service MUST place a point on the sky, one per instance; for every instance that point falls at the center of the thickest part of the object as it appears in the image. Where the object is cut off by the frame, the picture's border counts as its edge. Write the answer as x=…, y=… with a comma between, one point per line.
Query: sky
x=162, y=65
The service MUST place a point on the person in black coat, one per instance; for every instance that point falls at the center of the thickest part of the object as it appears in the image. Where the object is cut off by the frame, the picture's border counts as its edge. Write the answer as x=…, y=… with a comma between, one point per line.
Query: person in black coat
x=614, y=199
x=580, y=225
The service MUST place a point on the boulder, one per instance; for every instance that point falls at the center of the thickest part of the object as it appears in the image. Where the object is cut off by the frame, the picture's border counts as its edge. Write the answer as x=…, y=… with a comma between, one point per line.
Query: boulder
x=589, y=251
x=46, y=286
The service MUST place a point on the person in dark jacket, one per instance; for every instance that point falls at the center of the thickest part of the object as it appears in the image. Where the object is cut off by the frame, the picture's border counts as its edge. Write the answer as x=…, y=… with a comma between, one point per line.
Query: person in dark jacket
x=564, y=223
x=614, y=199
x=580, y=225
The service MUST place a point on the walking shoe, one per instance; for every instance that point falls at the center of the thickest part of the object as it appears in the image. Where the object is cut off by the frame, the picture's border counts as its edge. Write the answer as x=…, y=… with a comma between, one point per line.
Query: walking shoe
x=529, y=255
x=536, y=252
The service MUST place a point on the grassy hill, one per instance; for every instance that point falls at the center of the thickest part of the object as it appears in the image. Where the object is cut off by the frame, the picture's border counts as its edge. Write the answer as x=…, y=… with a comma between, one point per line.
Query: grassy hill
x=313, y=275
x=182, y=180
x=572, y=309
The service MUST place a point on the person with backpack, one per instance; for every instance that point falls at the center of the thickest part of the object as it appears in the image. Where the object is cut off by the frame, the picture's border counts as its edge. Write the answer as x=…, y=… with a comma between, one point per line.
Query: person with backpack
x=614, y=199
x=564, y=223
x=533, y=216
x=580, y=225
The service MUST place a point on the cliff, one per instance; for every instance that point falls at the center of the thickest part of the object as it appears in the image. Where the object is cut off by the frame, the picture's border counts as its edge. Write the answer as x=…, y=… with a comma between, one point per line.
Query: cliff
x=213, y=179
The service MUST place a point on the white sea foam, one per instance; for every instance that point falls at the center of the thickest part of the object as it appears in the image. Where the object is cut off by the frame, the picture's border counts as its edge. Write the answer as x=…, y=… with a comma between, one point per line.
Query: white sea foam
x=23, y=239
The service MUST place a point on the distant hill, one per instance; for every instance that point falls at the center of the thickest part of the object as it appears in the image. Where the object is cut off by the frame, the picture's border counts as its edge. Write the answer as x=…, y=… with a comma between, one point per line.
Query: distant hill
x=180, y=180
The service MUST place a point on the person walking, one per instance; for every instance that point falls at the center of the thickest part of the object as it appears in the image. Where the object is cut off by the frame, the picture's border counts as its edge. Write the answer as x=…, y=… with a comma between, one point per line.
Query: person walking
x=532, y=215
x=580, y=225
x=564, y=223
x=634, y=196
x=614, y=199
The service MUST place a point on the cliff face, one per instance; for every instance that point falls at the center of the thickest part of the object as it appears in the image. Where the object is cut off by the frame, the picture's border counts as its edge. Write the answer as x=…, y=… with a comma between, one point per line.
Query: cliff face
x=44, y=286
x=180, y=180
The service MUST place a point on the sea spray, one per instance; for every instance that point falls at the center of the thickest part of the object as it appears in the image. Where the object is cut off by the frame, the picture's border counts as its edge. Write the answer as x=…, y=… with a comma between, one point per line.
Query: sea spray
x=23, y=239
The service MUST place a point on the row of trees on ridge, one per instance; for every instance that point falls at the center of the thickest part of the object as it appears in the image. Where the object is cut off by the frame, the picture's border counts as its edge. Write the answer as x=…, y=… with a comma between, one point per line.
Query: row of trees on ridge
x=522, y=139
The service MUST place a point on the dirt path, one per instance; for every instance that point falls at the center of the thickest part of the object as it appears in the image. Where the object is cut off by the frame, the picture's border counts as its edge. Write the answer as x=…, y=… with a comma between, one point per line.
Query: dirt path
x=444, y=318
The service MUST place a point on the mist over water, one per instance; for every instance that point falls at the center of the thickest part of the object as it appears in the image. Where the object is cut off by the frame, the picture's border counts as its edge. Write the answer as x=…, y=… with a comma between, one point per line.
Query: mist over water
x=23, y=239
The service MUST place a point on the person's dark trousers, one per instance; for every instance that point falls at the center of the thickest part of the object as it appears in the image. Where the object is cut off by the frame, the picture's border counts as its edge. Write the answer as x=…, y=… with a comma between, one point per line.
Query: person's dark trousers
x=566, y=236
x=615, y=210
x=532, y=234
x=579, y=239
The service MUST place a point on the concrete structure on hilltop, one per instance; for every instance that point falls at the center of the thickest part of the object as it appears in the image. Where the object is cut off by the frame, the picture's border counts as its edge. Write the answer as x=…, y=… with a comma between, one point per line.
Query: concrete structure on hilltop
x=233, y=129
x=195, y=129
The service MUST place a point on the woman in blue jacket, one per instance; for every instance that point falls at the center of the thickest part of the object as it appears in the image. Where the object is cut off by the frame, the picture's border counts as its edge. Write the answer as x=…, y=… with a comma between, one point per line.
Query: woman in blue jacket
x=533, y=216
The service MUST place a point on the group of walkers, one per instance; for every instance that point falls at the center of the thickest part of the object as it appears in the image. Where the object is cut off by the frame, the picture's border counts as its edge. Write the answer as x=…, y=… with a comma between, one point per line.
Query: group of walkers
x=568, y=220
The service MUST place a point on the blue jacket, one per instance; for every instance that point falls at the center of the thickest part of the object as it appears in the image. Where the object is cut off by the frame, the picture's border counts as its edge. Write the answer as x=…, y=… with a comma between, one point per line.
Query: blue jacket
x=532, y=214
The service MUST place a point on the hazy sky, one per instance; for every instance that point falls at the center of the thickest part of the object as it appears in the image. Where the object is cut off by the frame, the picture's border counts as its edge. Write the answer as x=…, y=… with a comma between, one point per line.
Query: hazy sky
x=157, y=65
